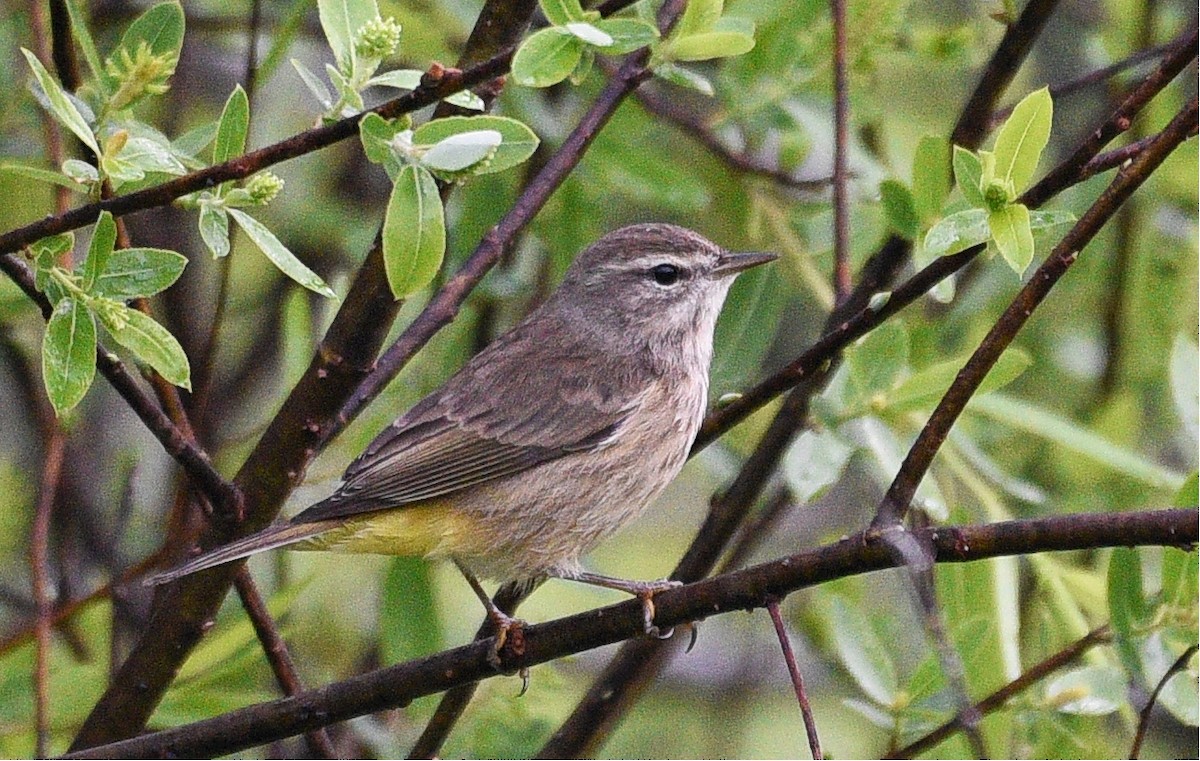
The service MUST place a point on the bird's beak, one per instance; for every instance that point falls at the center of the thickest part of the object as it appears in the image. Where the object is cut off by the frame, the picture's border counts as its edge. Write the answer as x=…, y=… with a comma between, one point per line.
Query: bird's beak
x=731, y=262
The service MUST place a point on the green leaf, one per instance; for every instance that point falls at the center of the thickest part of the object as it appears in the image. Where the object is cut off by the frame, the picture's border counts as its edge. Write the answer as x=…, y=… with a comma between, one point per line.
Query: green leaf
x=562, y=12
x=1127, y=605
x=1041, y=220
x=968, y=173
x=861, y=651
x=875, y=364
x=341, y=20
x=709, y=45
x=546, y=58
x=518, y=143
x=923, y=389
x=408, y=622
x=41, y=175
x=161, y=27
x=1179, y=694
x=1040, y=421
x=957, y=232
x=101, y=246
x=232, y=127
x=81, y=173
x=68, y=355
x=677, y=75
x=150, y=342
x=900, y=209
x=145, y=155
x=414, y=232
x=628, y=34
x=931, y=177
x=81, y=34
x=314, y=84
x=401, y=79
x=193, y=141
x=376, y=134
x=1010, y=230
x=462, y=150
x=134, y=272
x=1087, y=691
x=214, y=228
x=814, y=462
x=589, y=34
x=279, y=254
x=1022, y=138
x=699, y=16
x=62, y=107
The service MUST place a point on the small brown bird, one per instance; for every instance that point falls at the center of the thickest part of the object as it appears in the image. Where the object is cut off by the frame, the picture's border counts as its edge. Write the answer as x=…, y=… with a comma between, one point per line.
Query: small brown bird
x=550, y=439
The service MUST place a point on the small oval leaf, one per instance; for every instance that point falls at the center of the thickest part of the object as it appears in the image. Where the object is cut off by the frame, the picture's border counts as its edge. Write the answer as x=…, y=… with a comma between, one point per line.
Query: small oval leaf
x=518, y=144
x=1022, y=138
x=546, y=58
x=136, y=272
x=457, y=152
x=414, y=232
x=150, y=342
x=68, y=355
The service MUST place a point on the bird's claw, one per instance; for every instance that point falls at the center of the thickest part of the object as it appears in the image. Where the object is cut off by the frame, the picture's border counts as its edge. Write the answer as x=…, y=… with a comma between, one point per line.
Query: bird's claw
x=646, y=595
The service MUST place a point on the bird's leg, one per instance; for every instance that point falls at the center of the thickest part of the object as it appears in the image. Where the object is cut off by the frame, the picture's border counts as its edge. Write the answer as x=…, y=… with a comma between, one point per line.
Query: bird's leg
x=643, y=590
x=502, y=622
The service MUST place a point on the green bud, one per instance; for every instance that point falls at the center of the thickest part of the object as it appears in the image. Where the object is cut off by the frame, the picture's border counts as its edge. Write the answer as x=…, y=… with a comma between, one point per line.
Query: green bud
x=263, y=187
x=996, y=196
x=378, y=38
x=140, y=74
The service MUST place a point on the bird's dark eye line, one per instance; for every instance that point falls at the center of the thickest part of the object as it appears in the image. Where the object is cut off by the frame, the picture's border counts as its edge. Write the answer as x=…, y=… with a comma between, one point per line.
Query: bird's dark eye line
x=666, y=274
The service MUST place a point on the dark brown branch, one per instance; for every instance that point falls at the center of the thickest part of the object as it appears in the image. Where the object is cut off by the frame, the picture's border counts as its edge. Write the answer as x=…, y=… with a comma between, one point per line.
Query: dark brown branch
x=895, y=503
x=1000, y=697
x=1144, y=715
x=741, y=590
x=789, y=658
x=1018, y=39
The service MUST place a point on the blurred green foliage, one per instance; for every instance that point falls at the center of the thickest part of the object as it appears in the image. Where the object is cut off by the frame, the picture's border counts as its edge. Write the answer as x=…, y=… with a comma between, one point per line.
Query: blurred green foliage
x=1093, y=410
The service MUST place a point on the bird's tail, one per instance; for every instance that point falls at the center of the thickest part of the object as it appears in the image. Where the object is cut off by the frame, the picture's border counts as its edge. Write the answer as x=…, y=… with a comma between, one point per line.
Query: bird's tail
x=271, y=538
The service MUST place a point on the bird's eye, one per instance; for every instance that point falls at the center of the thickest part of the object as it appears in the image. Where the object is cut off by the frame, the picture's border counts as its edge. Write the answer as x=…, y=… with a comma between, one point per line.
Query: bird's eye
x=666, y=274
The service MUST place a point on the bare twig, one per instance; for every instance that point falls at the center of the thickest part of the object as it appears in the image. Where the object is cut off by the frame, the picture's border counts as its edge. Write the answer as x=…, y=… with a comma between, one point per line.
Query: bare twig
x=1000, y=697
x=789, y=658
x=1144, y=715
x=740, y=590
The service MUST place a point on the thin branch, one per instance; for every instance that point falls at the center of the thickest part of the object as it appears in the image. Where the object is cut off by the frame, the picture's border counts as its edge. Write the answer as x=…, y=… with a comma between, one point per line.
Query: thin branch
x=842, y=281
x=741, y=590
x=1144, y=716
x=895, y=503
x=789, y=658
x=1093, y=77
x=277, y=654
x=700, y=129
x=1000, y=697
x=975, y=118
